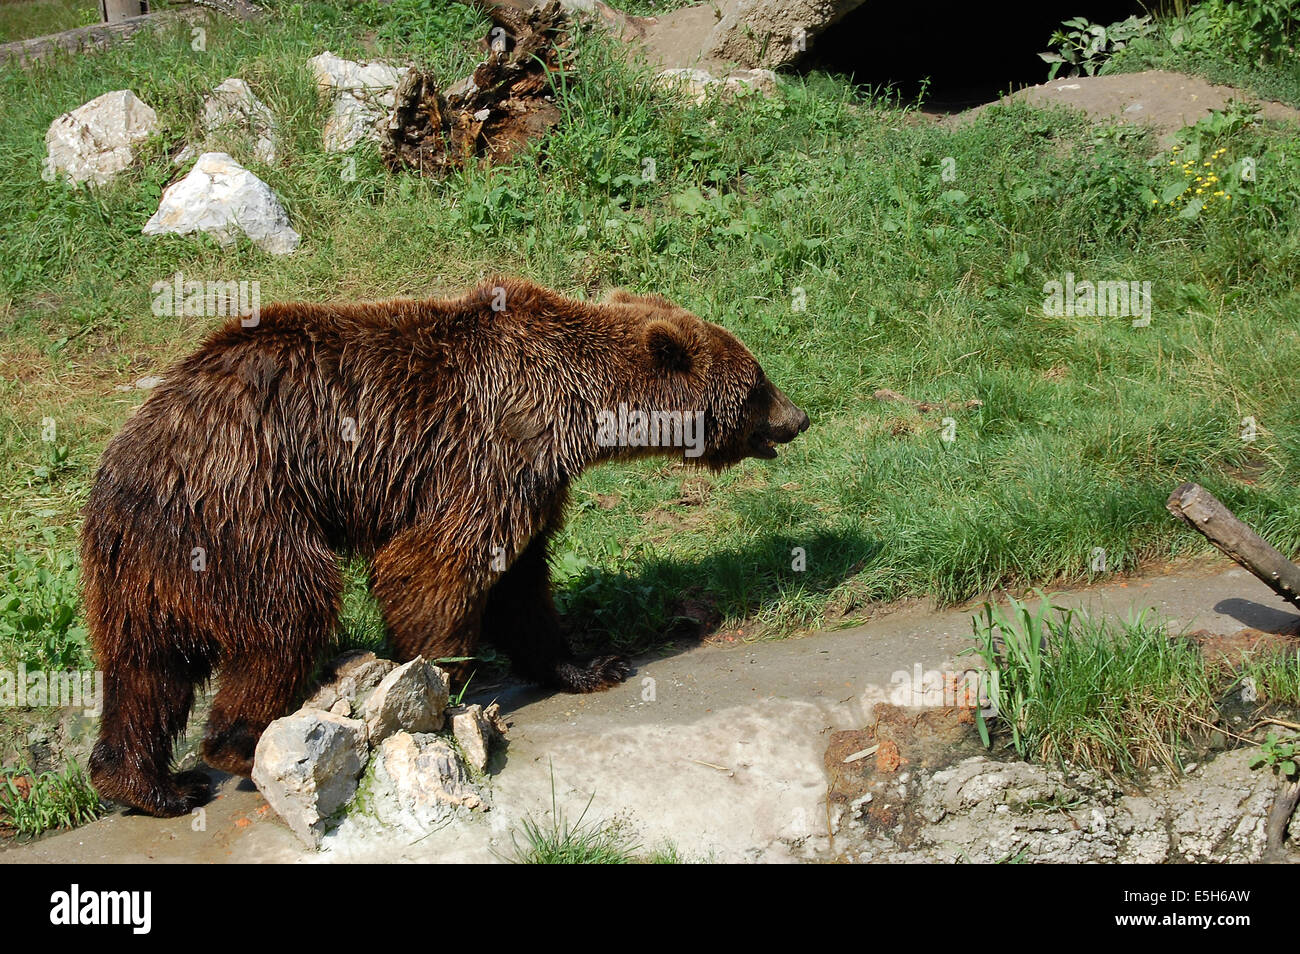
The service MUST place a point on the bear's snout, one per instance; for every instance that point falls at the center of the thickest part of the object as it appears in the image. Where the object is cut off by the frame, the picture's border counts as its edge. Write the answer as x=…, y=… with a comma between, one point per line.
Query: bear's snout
x=785, y=421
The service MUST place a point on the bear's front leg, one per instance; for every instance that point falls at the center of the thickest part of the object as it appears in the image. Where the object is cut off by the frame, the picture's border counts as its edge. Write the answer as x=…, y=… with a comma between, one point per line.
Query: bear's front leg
x=520, y=618
x=432, y=597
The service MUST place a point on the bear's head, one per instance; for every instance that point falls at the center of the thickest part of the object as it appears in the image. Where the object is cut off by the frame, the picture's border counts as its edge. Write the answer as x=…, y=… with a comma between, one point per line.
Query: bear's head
x=702, y=369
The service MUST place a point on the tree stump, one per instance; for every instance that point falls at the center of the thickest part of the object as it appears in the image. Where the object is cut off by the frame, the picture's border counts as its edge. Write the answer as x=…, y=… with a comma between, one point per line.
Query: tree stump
x=492, y=115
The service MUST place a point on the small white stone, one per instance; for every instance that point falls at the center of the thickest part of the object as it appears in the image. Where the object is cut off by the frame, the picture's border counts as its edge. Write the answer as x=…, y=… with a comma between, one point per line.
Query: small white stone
x=411, y=698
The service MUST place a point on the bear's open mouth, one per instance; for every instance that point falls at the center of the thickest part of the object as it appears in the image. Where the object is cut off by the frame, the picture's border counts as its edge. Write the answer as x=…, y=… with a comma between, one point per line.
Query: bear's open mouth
x=760, y=445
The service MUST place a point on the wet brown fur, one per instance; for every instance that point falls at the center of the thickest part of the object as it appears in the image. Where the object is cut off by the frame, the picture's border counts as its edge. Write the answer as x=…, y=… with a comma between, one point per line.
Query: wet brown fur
x=435, y=438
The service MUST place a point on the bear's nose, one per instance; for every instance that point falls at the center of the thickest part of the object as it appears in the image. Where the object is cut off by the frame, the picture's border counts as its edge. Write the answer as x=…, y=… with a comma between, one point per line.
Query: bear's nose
x=803, y=421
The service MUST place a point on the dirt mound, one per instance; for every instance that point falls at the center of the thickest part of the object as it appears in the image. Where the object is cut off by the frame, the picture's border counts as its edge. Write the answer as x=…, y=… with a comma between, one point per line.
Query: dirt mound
x=874, y=771
x=1162, y=100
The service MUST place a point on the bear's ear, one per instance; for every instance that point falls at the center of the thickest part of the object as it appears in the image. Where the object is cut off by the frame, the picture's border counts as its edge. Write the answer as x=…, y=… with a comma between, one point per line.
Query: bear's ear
x=675, y=348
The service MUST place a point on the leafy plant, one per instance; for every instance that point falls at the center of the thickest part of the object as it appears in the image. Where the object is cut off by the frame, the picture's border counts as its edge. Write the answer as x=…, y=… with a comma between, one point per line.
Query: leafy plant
x=1083, y=47
x=1246, y=31
x=1200, y=177
x=39, y=601
x=1014, y=643
x=1281, y=755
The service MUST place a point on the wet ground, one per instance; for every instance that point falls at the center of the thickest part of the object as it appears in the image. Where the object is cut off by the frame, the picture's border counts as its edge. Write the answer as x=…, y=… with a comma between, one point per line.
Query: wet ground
x=718, y=750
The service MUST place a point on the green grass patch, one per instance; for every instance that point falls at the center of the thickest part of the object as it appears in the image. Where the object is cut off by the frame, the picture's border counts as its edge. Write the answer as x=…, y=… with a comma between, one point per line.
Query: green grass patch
x=33, y=18
x=32, y=805
x=39, y=603
x=1074, y=690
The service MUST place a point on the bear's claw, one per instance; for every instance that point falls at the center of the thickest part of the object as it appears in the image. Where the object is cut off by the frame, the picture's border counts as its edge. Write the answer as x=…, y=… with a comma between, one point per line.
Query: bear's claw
x=594, y=674
x=195, y=789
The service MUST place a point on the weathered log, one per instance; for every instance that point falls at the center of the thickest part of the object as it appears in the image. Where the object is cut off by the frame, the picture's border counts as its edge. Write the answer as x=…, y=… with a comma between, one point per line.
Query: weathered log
x=25, y=52
x=99, y=35
x=1199, y=509
x=1279, y=817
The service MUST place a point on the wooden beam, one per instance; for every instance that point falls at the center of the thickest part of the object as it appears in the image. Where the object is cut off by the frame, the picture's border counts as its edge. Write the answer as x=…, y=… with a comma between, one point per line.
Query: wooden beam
x=1201, y=511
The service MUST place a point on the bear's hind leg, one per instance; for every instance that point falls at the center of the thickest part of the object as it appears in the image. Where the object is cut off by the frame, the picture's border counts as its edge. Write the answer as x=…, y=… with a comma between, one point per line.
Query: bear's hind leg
x=267, y=670
x=146, y=706
x=520, y=618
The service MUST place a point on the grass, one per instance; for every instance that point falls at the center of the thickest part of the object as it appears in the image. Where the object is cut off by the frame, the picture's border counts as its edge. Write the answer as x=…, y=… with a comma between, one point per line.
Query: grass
x=930, y=287
x=32, y=805
x=1276, y=678
x=38, y=613
x=557, y=841
x=1080, y=691
x=24, y=19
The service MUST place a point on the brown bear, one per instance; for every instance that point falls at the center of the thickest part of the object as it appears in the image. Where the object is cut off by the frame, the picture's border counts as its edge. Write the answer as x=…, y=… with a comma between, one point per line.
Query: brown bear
x=437, y=439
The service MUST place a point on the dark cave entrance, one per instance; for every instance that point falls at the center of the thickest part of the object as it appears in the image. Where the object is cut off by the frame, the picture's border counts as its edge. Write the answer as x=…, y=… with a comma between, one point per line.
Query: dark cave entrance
x=971, y=53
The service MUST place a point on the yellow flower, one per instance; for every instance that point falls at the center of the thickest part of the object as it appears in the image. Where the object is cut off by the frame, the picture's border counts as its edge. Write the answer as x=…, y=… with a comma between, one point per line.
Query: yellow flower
x=1199, y=191
x=1220, y=192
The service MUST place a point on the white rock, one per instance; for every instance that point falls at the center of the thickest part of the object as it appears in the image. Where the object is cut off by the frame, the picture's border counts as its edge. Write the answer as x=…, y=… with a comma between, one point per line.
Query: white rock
x=333, y=73
x=221, y=197
x=149, y=382
x=765, y=81
x=476, y=733
x=350, y=121
x=1249, y=691
x=693, y=84
x=363, y=96
x=232, y=107
x=697, y=85
x=96, y=141
x=418, y=783
x=410, y=698
x=306, y=766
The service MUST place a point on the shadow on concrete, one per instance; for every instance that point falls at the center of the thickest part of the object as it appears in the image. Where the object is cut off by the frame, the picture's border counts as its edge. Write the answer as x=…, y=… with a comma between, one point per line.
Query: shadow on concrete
x=1268, y=619
x=667, y=606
